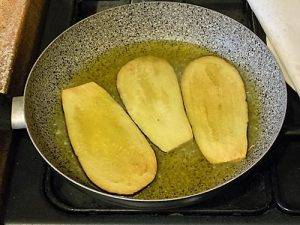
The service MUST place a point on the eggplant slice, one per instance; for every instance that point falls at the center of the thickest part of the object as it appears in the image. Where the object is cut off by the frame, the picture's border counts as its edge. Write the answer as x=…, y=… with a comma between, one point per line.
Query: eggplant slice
x=112, y=151
x=215, y=101
x=150, y=92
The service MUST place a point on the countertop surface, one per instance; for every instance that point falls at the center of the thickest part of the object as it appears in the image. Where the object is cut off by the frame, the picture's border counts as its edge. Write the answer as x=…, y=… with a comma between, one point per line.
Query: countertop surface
x=19, y=31
x=12, y=16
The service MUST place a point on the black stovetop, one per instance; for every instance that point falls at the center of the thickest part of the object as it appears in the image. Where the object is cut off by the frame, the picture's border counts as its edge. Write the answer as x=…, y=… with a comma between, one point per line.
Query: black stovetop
x=269, y=194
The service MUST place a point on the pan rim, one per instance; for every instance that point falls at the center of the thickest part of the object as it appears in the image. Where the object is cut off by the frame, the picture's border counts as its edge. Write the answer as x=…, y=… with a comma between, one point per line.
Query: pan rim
x=129, y=199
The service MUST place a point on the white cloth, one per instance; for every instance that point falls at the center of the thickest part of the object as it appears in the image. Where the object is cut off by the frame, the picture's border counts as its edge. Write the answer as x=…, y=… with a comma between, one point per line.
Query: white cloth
x=280, y=20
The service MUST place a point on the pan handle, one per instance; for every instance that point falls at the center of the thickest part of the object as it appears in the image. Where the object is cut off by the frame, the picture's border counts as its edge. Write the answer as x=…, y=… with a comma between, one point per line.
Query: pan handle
x=11, y=112
x=17, y=113
x=5, y=112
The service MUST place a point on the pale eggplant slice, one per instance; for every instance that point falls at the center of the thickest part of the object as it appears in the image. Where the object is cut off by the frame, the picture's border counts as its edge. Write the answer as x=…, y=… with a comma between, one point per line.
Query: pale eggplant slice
x=111, y=149
x=215, y=101
x=150, y=92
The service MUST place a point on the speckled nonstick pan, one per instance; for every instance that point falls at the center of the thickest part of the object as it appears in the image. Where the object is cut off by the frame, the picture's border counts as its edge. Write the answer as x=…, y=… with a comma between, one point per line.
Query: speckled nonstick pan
x=124, y=25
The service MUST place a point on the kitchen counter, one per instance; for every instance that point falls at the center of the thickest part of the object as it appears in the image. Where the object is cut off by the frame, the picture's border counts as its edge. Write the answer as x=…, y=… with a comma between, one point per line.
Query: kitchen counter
x=19, y=32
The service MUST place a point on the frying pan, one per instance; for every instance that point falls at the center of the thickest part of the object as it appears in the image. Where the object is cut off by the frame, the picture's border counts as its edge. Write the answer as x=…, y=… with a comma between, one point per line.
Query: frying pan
x=124, y=25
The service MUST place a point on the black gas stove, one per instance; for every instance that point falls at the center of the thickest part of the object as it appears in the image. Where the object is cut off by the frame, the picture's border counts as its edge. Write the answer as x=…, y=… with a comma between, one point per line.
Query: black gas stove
x=269, y=194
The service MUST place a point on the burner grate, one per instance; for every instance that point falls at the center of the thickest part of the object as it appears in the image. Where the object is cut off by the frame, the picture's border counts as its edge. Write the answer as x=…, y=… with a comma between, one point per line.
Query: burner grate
x=250, y=197
x=286, y=177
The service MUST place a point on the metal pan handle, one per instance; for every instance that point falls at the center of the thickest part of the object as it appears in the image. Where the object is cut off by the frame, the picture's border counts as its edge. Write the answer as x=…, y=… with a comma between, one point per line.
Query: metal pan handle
x=17, y=113
x=11, y=112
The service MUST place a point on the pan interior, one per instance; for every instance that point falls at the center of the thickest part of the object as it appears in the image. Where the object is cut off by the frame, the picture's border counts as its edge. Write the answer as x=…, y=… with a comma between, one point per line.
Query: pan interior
x=181, y=172
x=97, y=47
